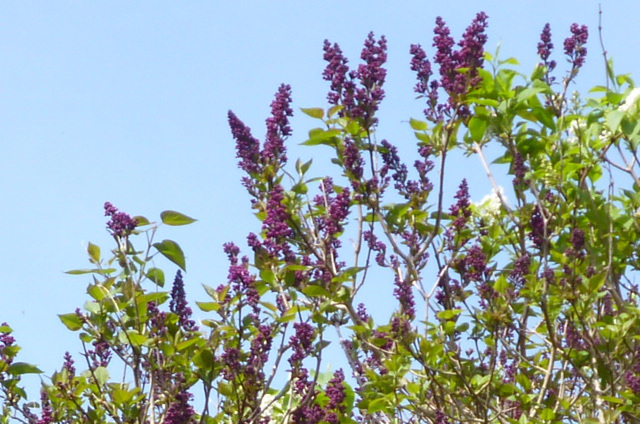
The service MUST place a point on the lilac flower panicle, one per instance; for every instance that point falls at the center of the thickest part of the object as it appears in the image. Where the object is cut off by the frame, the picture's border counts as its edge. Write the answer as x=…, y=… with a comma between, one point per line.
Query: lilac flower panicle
x=301, y=342
x=121, y=224
x=545, y=47
x=6, y=341
x=472, y=46
x=574, y=46
x=461, y=209
x=247, y=146
x=179, y=305
x=276, y=224
x=421, y=65
x=278, y=127
x=180, y=411
x=353, y=161
x=404, y=293
x=335, y=72
x=69, y=364
x=46, y=416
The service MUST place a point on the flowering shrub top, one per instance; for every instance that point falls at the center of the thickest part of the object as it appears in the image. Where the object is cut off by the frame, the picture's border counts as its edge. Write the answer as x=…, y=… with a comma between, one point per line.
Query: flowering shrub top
x=521, y=308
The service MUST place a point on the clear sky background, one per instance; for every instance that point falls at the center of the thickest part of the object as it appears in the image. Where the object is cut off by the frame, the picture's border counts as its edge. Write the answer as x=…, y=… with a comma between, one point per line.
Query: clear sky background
x=127, y=101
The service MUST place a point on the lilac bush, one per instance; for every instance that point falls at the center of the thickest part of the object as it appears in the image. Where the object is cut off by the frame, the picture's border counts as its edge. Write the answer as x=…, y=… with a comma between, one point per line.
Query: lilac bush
x=521, y=308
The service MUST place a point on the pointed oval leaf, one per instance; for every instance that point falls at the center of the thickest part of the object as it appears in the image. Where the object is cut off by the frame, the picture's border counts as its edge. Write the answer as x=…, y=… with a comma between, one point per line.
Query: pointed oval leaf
x=176, y=218
x=172, y=251
x=94, y=252
x=157, y=276
x=314, y=112
x=19, y=368
x=72, y=321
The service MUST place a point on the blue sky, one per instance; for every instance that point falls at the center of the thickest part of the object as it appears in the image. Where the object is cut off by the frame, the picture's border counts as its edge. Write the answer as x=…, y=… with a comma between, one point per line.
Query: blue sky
x=126, y=102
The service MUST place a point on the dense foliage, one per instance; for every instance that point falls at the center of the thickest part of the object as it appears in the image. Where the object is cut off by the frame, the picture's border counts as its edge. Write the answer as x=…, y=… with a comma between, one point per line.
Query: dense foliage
x=520, y=308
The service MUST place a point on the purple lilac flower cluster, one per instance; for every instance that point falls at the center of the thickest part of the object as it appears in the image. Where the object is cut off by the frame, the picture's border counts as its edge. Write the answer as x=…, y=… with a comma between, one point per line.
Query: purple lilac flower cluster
x=458, y=68
x=157, y=319
x=545, y=47
x=519, y=169
x=359, y=91
x=46, y=416
x=403, y=292
x=240, y=278
x=353, y=163
x=462, y=208
x=376, y=246
x=101, y=353
x=521, y=268
x=276, y=227
x=6, y=341
x=301, y=342
x=278, y=127
x=179, y=305
x=121, y=224
x=69, y=365
x=574, y=46
x=273, y=154
x=392, y=163
x=633, y=374
x=180, y=411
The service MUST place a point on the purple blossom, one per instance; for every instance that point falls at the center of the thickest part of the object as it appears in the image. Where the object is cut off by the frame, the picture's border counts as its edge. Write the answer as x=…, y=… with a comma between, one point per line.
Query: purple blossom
x=538, y=231
x=445, y=57
x=577, y=239
x=392, y=163
x=240, y=278
x=362, y=312
x=372, y=76
x=101, y=355
x=545, y=47
x=301, y=342
x=521, y=269
x=519, y=169
x=461, y=209
x=247, y=146
x=231, y=359
x=69, y=364
x=574, y=47
x=353, y=162
x=179, y=305
x=421, y=65
x=276, y=225
x=47, y=412
x=278, y=127
x=121, y=224
x=472, y=46
x=359, y=91
x=180, y=411
x=404, y=293
x=335, y=391
x=475, y=264
x=157, y=319
x=376, y=246
x=337, y=208
x=6, y=341
x=335, y=72
x=441, y=417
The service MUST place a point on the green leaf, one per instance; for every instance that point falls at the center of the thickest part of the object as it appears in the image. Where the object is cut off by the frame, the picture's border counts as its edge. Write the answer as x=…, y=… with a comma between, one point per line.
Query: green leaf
x=176, y=218
x=478, y=126
x=156, y=275
x=208, y=306
x=314, y=112
x=19, y=368
x=418, y=125
x=90, y=271
x=72, y=321
x=613, y=118
x=172, y=251
x=102, y=375
x=142, y=221
x=316, y=291
x=94, y=252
